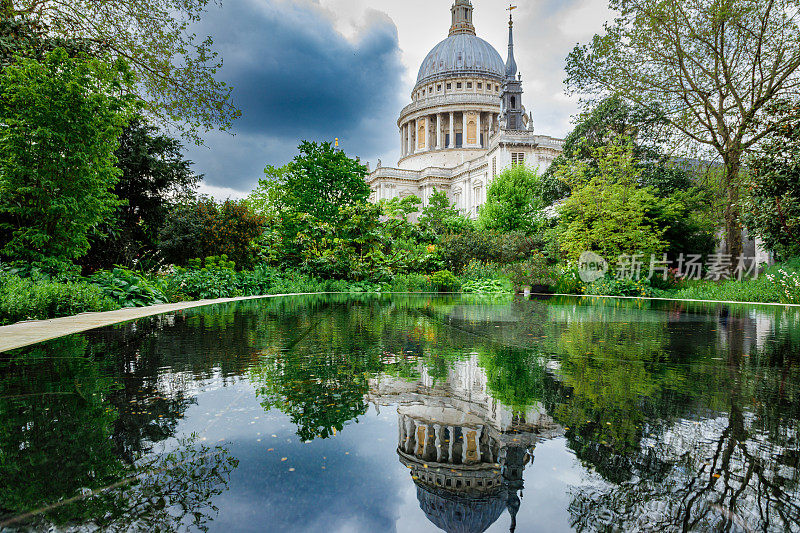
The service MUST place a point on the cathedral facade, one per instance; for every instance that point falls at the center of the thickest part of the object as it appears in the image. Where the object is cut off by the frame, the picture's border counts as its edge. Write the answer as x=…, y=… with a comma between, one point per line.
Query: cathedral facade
x=465, y=124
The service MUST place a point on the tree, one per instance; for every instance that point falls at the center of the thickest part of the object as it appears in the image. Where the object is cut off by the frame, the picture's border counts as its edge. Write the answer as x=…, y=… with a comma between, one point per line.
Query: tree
x=61, y=124
x=607, y=213
x=608, y=121
x=320, y=180
x=513, y=201
x=710, y=65
x=175, y=68
x=440, y=217
x=22, y=37
x=154, y=176
x=773, y=202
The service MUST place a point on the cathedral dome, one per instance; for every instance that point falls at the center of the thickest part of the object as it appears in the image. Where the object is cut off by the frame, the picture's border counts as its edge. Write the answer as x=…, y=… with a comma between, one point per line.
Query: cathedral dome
x=459, y=55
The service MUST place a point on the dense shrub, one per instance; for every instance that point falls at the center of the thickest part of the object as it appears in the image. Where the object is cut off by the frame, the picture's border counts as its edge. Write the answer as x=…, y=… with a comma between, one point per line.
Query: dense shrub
x=39, y=298
x=534, y=272
x=202, y=227
x=128, y=288
x=411, y=283
x=445, y=281
x=487, y=286
x=487, y=247
x=609, y=286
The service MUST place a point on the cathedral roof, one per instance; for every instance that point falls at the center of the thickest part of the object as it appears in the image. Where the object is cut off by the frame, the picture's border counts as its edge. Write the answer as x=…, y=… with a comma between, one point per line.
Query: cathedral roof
x=459, y=513
x=461, y=54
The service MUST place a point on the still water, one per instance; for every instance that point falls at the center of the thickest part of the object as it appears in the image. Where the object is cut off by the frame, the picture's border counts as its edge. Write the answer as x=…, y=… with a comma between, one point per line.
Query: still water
x=409, y=414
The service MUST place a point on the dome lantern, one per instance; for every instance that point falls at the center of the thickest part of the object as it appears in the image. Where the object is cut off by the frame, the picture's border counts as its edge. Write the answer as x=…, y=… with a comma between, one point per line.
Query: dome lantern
x=462, y=18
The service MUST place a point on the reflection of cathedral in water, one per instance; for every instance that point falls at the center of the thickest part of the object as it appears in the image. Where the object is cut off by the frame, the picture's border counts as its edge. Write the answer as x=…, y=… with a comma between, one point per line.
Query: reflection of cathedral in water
x=466, y=452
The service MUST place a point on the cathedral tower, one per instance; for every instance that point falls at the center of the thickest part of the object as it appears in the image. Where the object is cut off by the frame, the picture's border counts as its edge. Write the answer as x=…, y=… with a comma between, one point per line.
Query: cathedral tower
x=513, y=115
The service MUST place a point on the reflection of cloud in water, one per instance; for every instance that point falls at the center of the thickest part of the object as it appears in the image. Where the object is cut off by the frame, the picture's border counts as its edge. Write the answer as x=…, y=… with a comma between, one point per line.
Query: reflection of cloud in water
x=465, y=451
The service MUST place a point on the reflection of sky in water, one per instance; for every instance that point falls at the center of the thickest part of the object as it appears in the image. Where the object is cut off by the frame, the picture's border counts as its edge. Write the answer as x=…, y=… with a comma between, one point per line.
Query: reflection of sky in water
x=363, y=487
x=624, y=401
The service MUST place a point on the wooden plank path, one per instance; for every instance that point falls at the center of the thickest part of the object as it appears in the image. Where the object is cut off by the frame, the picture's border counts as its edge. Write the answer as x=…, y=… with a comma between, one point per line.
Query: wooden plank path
x=34, y=331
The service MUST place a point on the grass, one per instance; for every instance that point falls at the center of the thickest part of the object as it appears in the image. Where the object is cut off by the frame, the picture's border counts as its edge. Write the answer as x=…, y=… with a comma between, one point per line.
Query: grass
x=778, y=284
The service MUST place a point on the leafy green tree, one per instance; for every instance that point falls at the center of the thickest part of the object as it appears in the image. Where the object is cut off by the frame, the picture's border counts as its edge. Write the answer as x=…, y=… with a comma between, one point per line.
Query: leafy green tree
x=441, y=217
x=607, y=213
x=62, y=121
x=176, y=68
x=154, y=176
x=320, y=180
x=612, y=119
x=773, y=203
x=710, y=66
x=513, y=201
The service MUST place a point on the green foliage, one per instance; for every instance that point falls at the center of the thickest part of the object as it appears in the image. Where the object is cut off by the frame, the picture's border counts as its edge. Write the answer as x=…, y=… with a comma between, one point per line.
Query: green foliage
x=513, y=202
x=176, y=67
x=128, y=288
x=39, y=298
x=535, y=272
x=607, y=213
x=62, y=125
x=411, y=283
x=458, y=250
x=440, y=217
x=778, y=284
x=320, y=180
x=605, y=123
x=672, y=54
x=154, y=176
x=445, y=281
x=609, y=286
x=772, y=208
x=566, y=280
x=22, y=37
x=487, y=286
x=203, y=227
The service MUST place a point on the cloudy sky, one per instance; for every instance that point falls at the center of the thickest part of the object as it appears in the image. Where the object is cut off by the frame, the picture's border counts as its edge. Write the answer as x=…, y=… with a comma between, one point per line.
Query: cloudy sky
x=320, y=69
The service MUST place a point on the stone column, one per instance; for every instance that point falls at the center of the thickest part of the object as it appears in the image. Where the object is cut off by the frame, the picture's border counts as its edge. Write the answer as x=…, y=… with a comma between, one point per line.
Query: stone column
x=464, y=129
x=438, y=431
x=409, y=137
x=428, y=136
x=402, y=141
x=479, y=128
x=452, y=130
x=452, y=430
x=439, y=131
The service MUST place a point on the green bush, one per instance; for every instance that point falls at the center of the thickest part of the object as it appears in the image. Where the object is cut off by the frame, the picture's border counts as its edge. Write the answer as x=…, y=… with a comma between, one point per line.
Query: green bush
x=609, y=286
x=477, y=270
x=39, y=298
x=487, y=247
x=128, y=288
x=487, y=286
x=445, y=281
x=411, y=283
x=533, y=272
x=566, y=280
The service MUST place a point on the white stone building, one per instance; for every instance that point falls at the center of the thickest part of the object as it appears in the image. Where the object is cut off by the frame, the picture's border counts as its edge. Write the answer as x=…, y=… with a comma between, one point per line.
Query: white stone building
x=465, y=124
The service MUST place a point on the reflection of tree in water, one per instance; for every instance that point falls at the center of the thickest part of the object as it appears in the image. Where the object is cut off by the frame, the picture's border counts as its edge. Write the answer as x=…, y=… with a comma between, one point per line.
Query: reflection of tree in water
x=716, y=448
x=321, y=357
x=67, y=460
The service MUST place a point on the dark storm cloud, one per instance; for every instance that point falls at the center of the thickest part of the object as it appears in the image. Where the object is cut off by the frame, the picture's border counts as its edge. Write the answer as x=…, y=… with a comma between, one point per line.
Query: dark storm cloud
x=295, y=77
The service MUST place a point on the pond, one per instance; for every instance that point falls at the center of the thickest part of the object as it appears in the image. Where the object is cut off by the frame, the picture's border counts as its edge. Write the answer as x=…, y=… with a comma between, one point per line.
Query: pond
x=409, y=414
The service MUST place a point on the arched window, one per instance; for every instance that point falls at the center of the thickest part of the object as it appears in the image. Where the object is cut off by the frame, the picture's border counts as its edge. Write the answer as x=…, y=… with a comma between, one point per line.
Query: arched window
x=513, y=102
